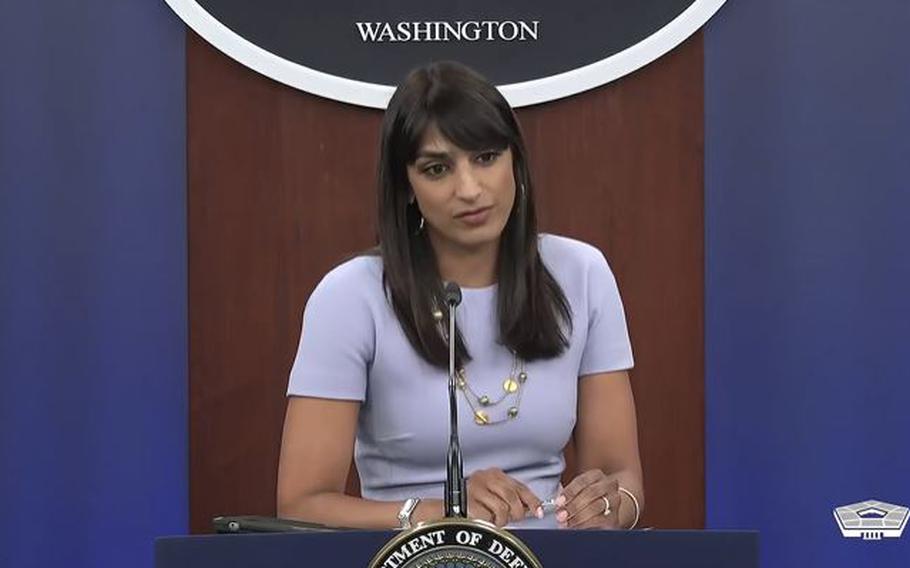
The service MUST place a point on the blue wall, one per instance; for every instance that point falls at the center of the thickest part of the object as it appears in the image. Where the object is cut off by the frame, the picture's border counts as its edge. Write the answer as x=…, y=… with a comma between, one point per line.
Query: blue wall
x=808, y=272
x=93, y=339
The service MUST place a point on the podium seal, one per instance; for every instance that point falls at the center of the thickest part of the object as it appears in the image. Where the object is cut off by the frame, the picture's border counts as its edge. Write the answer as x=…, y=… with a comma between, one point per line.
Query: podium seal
x=455, y=543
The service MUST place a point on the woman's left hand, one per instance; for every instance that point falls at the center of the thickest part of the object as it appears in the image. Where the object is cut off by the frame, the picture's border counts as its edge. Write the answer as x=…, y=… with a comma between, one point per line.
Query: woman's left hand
x=582, y=503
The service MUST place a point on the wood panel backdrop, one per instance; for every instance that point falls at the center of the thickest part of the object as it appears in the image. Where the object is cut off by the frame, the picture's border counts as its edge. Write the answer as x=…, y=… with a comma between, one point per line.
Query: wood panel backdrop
x=281, y=189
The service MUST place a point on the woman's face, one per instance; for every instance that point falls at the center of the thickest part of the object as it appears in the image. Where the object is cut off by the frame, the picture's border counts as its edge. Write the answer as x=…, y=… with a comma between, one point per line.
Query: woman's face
x=465, y=197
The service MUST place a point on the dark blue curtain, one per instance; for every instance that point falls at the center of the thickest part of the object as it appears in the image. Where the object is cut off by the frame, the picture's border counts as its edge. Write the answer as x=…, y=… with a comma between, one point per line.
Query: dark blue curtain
x=93, y=332
x=808, y=272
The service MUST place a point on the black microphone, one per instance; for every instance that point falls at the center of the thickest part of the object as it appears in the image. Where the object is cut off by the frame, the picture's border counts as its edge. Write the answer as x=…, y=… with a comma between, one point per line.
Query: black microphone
x=453, y=294
x=456, y=495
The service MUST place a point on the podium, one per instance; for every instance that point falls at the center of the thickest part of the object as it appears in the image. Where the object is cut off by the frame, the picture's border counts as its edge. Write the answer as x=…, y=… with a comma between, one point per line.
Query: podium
x=554, y=548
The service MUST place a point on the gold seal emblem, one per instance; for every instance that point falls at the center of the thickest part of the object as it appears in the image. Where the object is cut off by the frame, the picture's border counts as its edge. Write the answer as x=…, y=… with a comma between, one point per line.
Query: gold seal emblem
x=455, y=542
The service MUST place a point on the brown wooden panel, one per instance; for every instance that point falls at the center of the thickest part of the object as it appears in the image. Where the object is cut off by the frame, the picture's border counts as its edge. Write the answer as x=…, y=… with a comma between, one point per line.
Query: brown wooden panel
x=622, y=167
x=281, y=189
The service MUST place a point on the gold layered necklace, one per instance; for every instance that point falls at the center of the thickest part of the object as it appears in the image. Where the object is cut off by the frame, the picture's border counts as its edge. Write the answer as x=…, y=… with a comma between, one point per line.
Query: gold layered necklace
x=481, y=404
x=512, y=388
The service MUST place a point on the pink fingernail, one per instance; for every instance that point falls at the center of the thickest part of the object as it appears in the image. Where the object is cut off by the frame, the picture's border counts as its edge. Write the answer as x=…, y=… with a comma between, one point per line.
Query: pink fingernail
x=562, y=516
x=561, y=500
x=539, y=512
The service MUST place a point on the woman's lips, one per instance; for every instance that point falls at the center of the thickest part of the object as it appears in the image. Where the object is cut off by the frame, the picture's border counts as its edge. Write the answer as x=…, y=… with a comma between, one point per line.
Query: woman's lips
x=475, y=217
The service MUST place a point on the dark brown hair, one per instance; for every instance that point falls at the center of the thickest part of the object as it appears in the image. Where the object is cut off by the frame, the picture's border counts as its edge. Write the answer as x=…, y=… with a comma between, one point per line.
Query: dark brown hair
x=534, y=316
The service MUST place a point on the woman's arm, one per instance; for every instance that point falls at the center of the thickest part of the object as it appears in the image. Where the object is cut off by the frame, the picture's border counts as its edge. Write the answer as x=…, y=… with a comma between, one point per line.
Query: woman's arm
x=316, y=450
x=606, y=441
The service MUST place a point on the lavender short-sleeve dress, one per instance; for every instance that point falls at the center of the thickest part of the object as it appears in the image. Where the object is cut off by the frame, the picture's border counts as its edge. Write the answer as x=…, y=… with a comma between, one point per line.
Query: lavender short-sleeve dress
x=352, y=347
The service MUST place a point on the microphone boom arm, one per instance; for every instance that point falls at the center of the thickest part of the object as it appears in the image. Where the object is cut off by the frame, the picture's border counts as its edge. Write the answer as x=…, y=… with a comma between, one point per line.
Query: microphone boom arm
x=456, y=495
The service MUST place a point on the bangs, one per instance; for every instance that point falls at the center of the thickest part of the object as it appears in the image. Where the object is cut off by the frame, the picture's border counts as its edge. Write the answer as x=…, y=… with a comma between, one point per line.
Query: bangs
x=469, y=120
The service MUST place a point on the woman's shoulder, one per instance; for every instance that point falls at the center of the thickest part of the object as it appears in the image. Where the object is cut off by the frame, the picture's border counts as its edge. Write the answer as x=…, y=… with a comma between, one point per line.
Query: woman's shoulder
x=572, y=254
x=357, y=277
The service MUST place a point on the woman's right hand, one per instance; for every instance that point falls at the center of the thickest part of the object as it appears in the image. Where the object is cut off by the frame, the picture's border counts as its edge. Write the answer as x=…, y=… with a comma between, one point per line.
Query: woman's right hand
x=494, y=496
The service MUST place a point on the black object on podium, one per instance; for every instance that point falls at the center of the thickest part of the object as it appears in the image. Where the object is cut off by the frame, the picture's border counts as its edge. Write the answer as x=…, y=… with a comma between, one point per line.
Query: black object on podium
x=554, y=548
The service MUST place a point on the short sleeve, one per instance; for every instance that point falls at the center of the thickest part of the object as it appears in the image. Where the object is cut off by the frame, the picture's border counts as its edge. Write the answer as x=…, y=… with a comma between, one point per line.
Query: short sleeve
x=337, y=340
x=607, y=347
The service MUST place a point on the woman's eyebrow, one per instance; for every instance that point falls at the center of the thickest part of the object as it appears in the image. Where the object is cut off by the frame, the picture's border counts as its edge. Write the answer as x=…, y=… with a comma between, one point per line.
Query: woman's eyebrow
x=432, y=155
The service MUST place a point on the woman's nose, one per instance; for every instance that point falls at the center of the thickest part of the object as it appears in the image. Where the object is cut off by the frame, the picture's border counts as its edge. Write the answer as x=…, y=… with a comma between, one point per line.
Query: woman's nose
x=467, y=186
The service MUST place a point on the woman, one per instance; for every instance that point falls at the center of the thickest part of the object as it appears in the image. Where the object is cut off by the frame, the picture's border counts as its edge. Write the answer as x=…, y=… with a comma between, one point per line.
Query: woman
x=542, y=341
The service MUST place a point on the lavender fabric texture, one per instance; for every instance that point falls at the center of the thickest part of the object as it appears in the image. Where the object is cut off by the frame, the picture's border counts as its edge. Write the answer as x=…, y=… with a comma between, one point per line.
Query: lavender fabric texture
x=352, y=347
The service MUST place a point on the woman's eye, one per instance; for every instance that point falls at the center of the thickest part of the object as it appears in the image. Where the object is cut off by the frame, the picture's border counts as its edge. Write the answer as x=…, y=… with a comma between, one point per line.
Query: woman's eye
x=435, y=170
x=487, y=157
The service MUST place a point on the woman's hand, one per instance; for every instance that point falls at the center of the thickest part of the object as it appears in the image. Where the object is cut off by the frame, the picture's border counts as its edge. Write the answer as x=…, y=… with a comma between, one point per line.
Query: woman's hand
x=494, y=496
x=581, y=504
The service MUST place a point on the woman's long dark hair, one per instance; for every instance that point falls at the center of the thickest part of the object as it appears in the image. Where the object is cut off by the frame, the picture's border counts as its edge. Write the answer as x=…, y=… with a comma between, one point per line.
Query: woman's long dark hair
x=534, y=316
